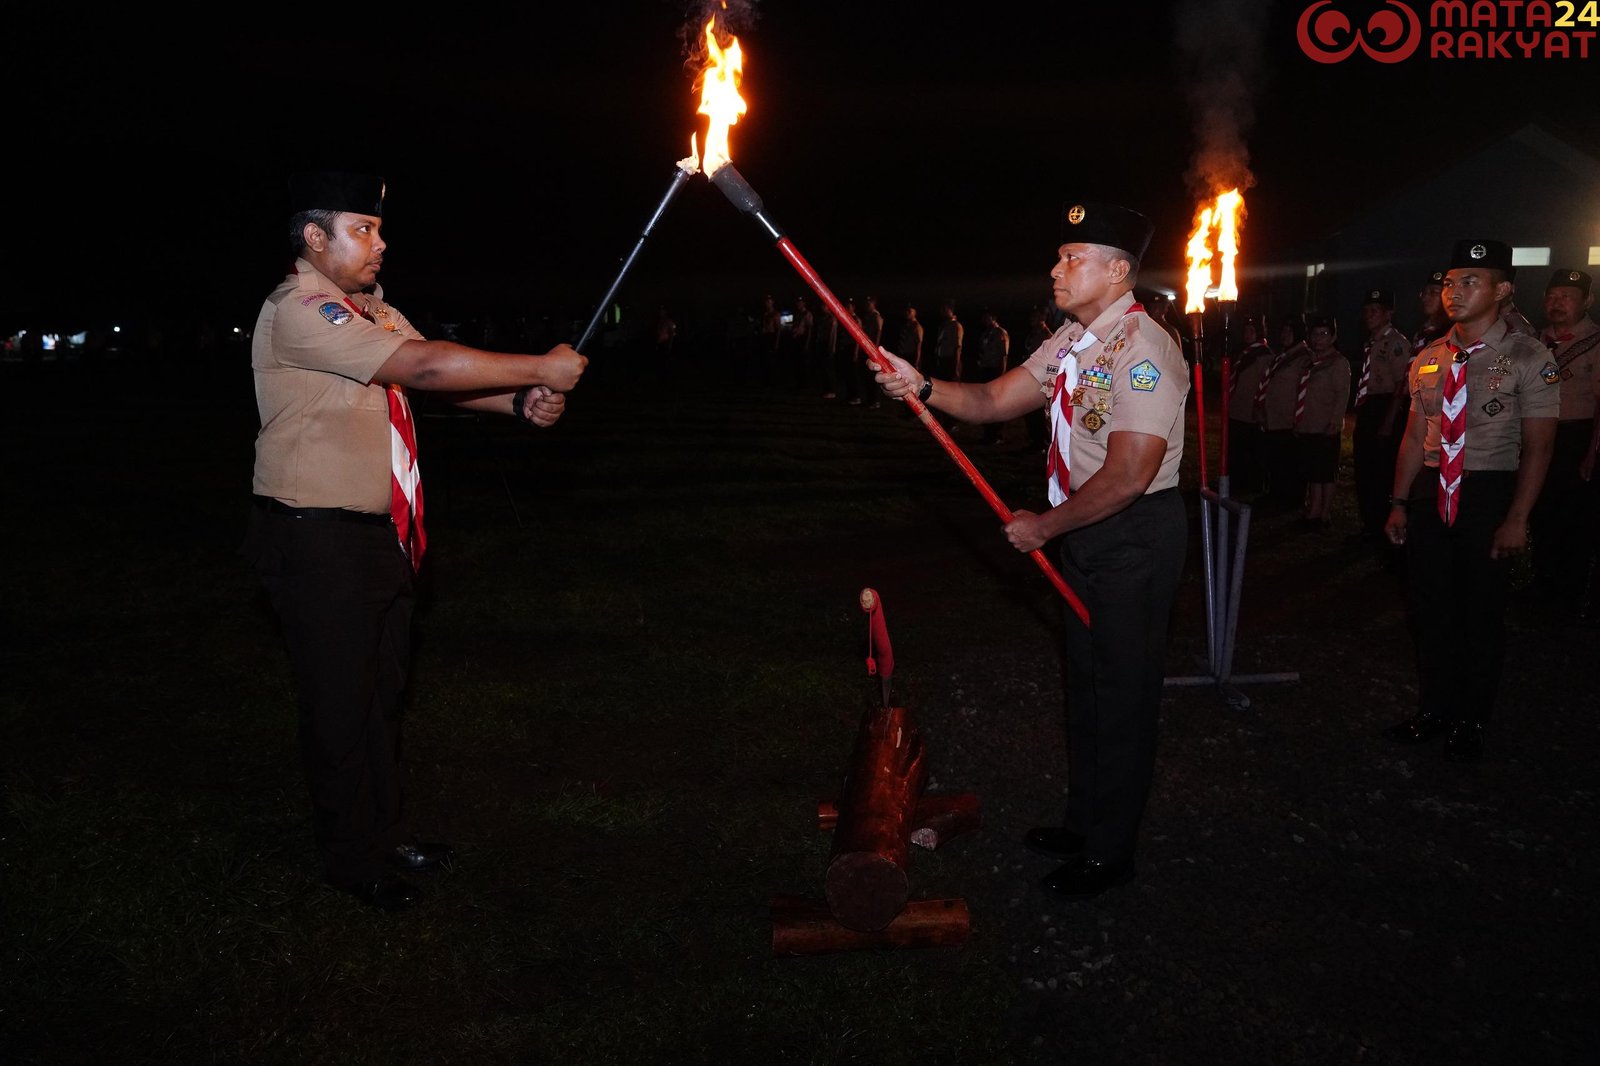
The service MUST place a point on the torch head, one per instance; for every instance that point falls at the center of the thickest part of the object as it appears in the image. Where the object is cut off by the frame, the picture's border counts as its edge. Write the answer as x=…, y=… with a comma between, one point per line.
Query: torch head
x=738, y=191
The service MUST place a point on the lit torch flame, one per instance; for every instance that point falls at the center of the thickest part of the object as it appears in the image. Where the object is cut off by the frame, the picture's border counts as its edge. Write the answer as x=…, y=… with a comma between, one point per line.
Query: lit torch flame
x=719, y=97
x=1221, y=218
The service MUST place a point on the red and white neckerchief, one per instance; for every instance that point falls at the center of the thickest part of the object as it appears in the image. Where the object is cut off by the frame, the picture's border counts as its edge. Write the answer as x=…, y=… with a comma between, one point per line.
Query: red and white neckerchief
x=1366, y=366
x=1453, y=430
x=405, y=478
x=1305, y=384
x=1552, y=341
x=1266, y=379
x=1058, y=470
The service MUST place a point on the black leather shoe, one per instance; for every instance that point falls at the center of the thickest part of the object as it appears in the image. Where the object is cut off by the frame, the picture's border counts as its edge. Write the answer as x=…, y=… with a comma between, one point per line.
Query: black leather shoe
x=387, y=893
x=419, y=856
x=1418, y=729
x=1084, y=878
x=1465, y=742
x=1054, y=841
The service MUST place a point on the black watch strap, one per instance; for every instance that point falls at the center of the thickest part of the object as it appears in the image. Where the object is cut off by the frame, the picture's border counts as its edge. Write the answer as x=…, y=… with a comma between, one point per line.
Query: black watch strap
x=926, y=390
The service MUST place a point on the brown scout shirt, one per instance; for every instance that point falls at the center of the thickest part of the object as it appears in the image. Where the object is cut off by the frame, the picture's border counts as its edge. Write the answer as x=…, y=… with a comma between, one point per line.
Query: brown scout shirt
x=1246, y=378
x=1580, y=376
x=1277, y=412
x=1135, y=379
x=325, y=435
x=1509, y=379
x=1327, y=396
x=1389, y=355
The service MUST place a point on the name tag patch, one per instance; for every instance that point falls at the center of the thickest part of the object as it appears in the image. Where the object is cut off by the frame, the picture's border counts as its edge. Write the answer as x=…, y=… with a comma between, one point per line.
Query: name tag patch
x=1144, y=377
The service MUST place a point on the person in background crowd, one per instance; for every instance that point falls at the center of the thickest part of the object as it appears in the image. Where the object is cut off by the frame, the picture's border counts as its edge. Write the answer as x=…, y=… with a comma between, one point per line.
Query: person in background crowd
x=1380, y=393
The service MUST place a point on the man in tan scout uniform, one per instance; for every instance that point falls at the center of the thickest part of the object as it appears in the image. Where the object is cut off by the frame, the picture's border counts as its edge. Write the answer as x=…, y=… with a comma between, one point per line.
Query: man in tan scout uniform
x=1483, y=418
x=1380, y=405
x=1115, y=385
x=1565, y=527
x=336, y=531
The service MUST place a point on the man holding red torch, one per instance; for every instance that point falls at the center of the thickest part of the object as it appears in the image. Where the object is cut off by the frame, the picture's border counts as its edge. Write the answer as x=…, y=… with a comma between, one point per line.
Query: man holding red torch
x=1114, y=383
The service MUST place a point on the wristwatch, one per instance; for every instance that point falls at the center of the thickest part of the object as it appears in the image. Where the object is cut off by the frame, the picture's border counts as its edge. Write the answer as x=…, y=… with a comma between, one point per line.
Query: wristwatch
x=1397, y=501
x=926, y=390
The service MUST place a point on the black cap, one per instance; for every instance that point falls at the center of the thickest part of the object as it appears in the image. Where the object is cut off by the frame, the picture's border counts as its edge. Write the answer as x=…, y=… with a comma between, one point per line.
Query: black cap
x=1381, y=296
x=1090, y=222
x=336, y=190
x=1571, y=279
x=1478, y=252
x=1326, y=322
x=1435, y=280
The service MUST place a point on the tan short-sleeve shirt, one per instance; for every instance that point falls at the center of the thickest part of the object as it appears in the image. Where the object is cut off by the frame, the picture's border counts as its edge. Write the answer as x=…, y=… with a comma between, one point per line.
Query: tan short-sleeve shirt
x=1134, y=380
x=325, y=437
x=1387, y=355
x=1580, y=374
x=1510, y=378
x=1247, y=376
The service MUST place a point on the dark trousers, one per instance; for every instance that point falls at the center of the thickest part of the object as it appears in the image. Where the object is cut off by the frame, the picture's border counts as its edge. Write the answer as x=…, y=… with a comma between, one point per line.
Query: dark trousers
x=343, y=595
x=1285, y=486
x=1458, y=595
x=1564, y=522
x=1126, y=570
x=1374, y=458
x=1244, y=456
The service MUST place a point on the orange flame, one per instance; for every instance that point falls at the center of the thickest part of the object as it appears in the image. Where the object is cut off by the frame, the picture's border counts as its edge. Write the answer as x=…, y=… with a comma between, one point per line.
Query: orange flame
x=719, y=96
x=1222, y=218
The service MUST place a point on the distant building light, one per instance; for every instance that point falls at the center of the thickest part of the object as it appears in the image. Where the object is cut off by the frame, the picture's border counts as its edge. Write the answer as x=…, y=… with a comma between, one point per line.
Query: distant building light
x=1530, y=257
x=236, y=329
x=1594, y=255
x=116, y=329
x=1311, y=270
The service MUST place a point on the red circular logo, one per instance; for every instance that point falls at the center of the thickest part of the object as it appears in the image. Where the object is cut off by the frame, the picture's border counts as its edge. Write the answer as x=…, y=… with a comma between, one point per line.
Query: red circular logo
x=1391, y=35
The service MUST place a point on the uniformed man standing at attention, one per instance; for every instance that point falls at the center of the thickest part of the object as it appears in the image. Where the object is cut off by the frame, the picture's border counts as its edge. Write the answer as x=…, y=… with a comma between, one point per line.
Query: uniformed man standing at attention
x=336, y=532
x=1380, y=405
x=1564, y=522
x=1483, y=419
x=1434, y=321
x=1115, y=384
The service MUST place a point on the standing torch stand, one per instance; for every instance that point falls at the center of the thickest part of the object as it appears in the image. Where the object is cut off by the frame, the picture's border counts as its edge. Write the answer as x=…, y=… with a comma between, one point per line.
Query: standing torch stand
x=881, y=811
x=1224, y=577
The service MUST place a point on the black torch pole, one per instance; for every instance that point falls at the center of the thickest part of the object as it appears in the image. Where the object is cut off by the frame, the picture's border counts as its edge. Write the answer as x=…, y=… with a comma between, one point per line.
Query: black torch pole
x=680, y=178
x=742, y=196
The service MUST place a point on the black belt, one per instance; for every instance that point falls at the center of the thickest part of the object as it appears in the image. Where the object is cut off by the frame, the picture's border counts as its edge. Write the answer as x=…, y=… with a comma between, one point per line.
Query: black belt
x=321, y=514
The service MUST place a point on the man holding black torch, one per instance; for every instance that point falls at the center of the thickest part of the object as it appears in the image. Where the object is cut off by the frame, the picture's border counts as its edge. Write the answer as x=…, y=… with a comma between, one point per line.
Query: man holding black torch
x=1115, y=385
x=336, y=531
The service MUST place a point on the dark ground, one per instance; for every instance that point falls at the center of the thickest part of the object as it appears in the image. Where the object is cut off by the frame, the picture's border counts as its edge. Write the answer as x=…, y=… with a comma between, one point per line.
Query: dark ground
x=639, y=665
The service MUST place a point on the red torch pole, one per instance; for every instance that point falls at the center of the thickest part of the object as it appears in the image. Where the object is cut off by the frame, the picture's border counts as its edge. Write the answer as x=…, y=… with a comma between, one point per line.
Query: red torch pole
x=742, y=196
x=1198, y=323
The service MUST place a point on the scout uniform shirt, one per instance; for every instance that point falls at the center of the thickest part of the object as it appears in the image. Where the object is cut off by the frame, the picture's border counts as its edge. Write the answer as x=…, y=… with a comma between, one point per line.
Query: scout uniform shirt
x=1277, y=411
x=1577, y=357
x=1248, y=367
x=1510, y=378
x=1133, y=379
x=325, y=432
x=1388, y=356
x=1327, y=395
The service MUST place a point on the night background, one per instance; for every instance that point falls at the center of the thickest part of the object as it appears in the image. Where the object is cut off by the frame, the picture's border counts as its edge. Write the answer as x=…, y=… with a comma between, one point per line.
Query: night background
x=638, y=665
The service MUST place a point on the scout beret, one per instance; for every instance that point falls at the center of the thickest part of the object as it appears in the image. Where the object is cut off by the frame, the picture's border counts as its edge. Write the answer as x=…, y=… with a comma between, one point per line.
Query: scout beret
x=1435, y=280
x=1574, y=279
x=1090, y=222
x=1478, y=252
x=1379, y=296
x=336, y=190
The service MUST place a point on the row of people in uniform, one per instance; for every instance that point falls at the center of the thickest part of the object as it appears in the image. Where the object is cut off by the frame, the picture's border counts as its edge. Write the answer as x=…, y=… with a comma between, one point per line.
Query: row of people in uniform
x=1289, y=404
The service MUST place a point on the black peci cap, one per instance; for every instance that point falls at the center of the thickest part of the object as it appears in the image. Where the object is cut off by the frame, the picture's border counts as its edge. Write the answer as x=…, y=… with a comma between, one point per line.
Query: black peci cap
x=1435, y=280
x=336, y=190
x=1090, y=222
x=1570, y=279
x=1478, y=252
x=1326, y=322
x=1383, y=297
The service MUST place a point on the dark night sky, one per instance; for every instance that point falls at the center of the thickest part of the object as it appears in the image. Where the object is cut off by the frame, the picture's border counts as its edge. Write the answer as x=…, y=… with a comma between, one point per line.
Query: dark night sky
x=911, y=148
